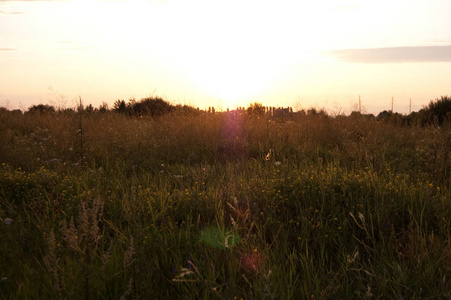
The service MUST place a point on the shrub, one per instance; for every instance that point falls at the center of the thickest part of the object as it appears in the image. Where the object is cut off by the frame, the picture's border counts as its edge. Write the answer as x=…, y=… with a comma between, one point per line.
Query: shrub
x=145, y=107
x=41, y=108
x=437, y=111
x=256, y=109
x=152, y=107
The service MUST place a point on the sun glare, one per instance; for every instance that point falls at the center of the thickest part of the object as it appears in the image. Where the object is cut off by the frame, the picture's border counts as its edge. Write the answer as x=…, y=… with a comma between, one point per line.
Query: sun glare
x=230, y=76
x=230, y=56
x=238, y=56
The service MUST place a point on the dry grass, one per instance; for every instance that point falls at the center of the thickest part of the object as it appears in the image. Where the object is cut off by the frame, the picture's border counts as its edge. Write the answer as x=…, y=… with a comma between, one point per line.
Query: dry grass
x=341, y=207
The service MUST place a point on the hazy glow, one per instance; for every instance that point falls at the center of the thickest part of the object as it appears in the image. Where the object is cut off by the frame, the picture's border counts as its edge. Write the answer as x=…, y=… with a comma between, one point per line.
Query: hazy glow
x=222, y=53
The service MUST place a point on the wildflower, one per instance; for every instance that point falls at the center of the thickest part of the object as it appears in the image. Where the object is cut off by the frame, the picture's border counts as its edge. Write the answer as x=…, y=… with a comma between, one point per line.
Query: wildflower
x=277, y=163
x=8, y=221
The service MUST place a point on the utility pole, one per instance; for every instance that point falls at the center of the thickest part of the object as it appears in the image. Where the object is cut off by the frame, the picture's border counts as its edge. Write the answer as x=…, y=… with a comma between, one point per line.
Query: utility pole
x=391, y=104
x=360, y=106
x=410, y=106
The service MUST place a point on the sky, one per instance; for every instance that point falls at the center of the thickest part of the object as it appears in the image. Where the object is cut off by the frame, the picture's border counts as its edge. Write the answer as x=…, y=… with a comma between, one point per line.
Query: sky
x=227, y=53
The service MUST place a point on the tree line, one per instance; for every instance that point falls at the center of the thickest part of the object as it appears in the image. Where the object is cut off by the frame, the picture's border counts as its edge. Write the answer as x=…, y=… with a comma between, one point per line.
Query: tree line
x=437, y=112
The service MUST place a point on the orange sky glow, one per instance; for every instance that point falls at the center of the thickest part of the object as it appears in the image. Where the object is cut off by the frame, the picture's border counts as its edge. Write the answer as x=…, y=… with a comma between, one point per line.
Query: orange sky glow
x=303, y=54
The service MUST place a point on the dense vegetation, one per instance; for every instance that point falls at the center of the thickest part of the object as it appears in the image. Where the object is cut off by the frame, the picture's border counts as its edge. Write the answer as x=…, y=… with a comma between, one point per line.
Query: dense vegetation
x=150, y=200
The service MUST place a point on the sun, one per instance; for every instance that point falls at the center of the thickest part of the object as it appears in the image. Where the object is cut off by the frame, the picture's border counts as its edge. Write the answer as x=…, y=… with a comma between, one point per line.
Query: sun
x=226, y=55
x=238, y=56
x=234, y=76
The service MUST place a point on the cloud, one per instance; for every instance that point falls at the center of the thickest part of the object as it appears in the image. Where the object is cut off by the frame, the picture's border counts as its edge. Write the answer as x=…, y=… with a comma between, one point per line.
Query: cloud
x=7, y=49
x=2, y=12
x=394, y=55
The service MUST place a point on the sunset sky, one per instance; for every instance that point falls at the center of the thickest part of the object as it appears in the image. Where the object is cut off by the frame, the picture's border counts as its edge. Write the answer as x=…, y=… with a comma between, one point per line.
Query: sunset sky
x=230, y=53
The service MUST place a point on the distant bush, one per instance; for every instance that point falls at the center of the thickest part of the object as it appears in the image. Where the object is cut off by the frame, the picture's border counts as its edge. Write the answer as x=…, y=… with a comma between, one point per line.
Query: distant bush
x=384, y=115
x=438, y=111
x=152, y=107
x=103, y=108
x=145, y=107
x=186, y=109
x=256, y=109
x=119, y=106
x=89, y=108
x=318, y=113
x=41, y=108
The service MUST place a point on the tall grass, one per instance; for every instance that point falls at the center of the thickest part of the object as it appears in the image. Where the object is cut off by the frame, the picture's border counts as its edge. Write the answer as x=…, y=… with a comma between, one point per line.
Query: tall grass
x=193, y=207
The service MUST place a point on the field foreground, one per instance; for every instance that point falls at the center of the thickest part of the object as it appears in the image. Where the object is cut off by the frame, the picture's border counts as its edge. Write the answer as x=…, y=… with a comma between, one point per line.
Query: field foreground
x=222, y=206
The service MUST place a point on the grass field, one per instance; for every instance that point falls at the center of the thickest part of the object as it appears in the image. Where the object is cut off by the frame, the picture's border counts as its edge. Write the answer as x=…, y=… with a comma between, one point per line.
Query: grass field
x=222, y=206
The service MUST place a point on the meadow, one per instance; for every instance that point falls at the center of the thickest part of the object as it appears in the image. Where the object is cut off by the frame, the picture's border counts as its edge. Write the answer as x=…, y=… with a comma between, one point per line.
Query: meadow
x=198, y=205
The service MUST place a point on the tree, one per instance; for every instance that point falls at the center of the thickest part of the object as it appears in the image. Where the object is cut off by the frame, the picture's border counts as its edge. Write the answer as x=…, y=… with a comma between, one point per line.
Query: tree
x=41, y=108
x=119, y=106
x=152, y=107
x=256, y=109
